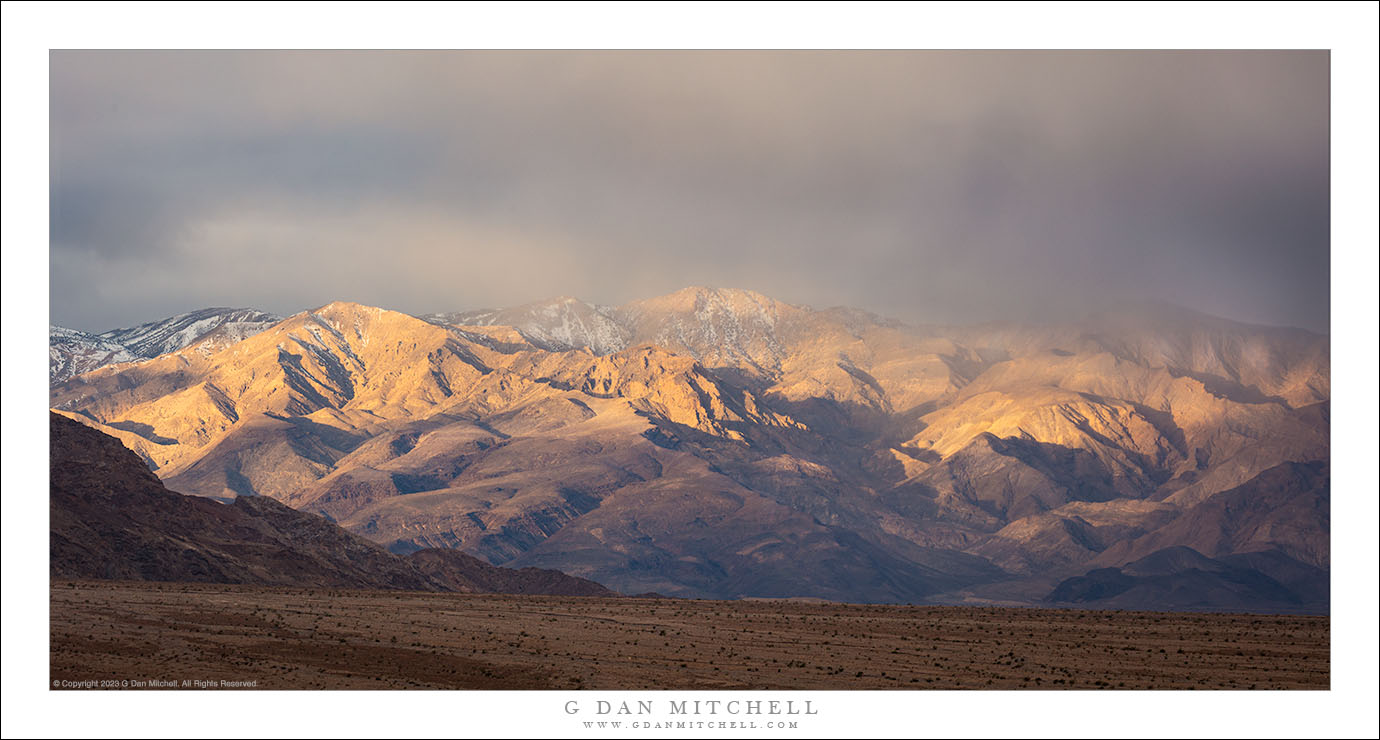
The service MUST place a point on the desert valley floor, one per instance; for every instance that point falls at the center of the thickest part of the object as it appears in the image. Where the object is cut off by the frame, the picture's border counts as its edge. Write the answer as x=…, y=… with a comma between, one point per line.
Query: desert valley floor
x=294, y=638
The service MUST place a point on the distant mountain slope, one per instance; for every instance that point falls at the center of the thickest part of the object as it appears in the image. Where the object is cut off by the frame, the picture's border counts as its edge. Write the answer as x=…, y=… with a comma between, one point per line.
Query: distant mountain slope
x=1244, y=362
x=72, y=352
x=1182, y=578
x=734, y=445
x=1287, y=507
x=111, y=518
x=559, y=324
x=207, y=330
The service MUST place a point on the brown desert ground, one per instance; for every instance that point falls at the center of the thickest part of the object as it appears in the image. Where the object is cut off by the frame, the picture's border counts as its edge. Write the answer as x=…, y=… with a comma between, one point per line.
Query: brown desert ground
x=295, y=638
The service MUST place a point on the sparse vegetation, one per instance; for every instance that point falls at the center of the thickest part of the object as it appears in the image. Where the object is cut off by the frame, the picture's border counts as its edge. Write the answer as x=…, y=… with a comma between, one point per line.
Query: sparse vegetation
x=296, y=638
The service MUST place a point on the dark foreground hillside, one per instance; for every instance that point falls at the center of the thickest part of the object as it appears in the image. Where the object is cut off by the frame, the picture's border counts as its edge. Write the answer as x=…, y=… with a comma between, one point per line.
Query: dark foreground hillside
x=110, y=517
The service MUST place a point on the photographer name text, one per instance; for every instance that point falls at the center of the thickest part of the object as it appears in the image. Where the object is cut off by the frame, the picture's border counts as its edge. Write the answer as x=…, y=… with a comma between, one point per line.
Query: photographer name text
x=691, y=707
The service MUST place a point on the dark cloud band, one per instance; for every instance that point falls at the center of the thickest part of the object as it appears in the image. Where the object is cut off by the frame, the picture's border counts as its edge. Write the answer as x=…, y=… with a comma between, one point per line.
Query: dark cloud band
x=933, y=186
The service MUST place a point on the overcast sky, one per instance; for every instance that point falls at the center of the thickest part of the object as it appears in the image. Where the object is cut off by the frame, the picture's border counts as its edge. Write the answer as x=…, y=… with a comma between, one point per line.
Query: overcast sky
x=929, y=186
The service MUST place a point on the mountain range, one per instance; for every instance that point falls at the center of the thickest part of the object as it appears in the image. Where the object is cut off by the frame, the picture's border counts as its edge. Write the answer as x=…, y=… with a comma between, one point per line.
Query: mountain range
x=719, y=443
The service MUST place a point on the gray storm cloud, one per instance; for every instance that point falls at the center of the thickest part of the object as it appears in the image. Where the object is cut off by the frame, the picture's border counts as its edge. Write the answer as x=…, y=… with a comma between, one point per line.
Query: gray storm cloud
x=931, y=186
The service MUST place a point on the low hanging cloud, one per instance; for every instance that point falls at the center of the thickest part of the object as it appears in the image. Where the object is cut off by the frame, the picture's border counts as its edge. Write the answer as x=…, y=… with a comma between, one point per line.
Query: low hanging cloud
x=931, y=186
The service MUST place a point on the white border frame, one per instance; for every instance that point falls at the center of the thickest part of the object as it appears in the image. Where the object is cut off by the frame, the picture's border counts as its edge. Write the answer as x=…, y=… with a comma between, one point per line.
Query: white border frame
x=1349, y=30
